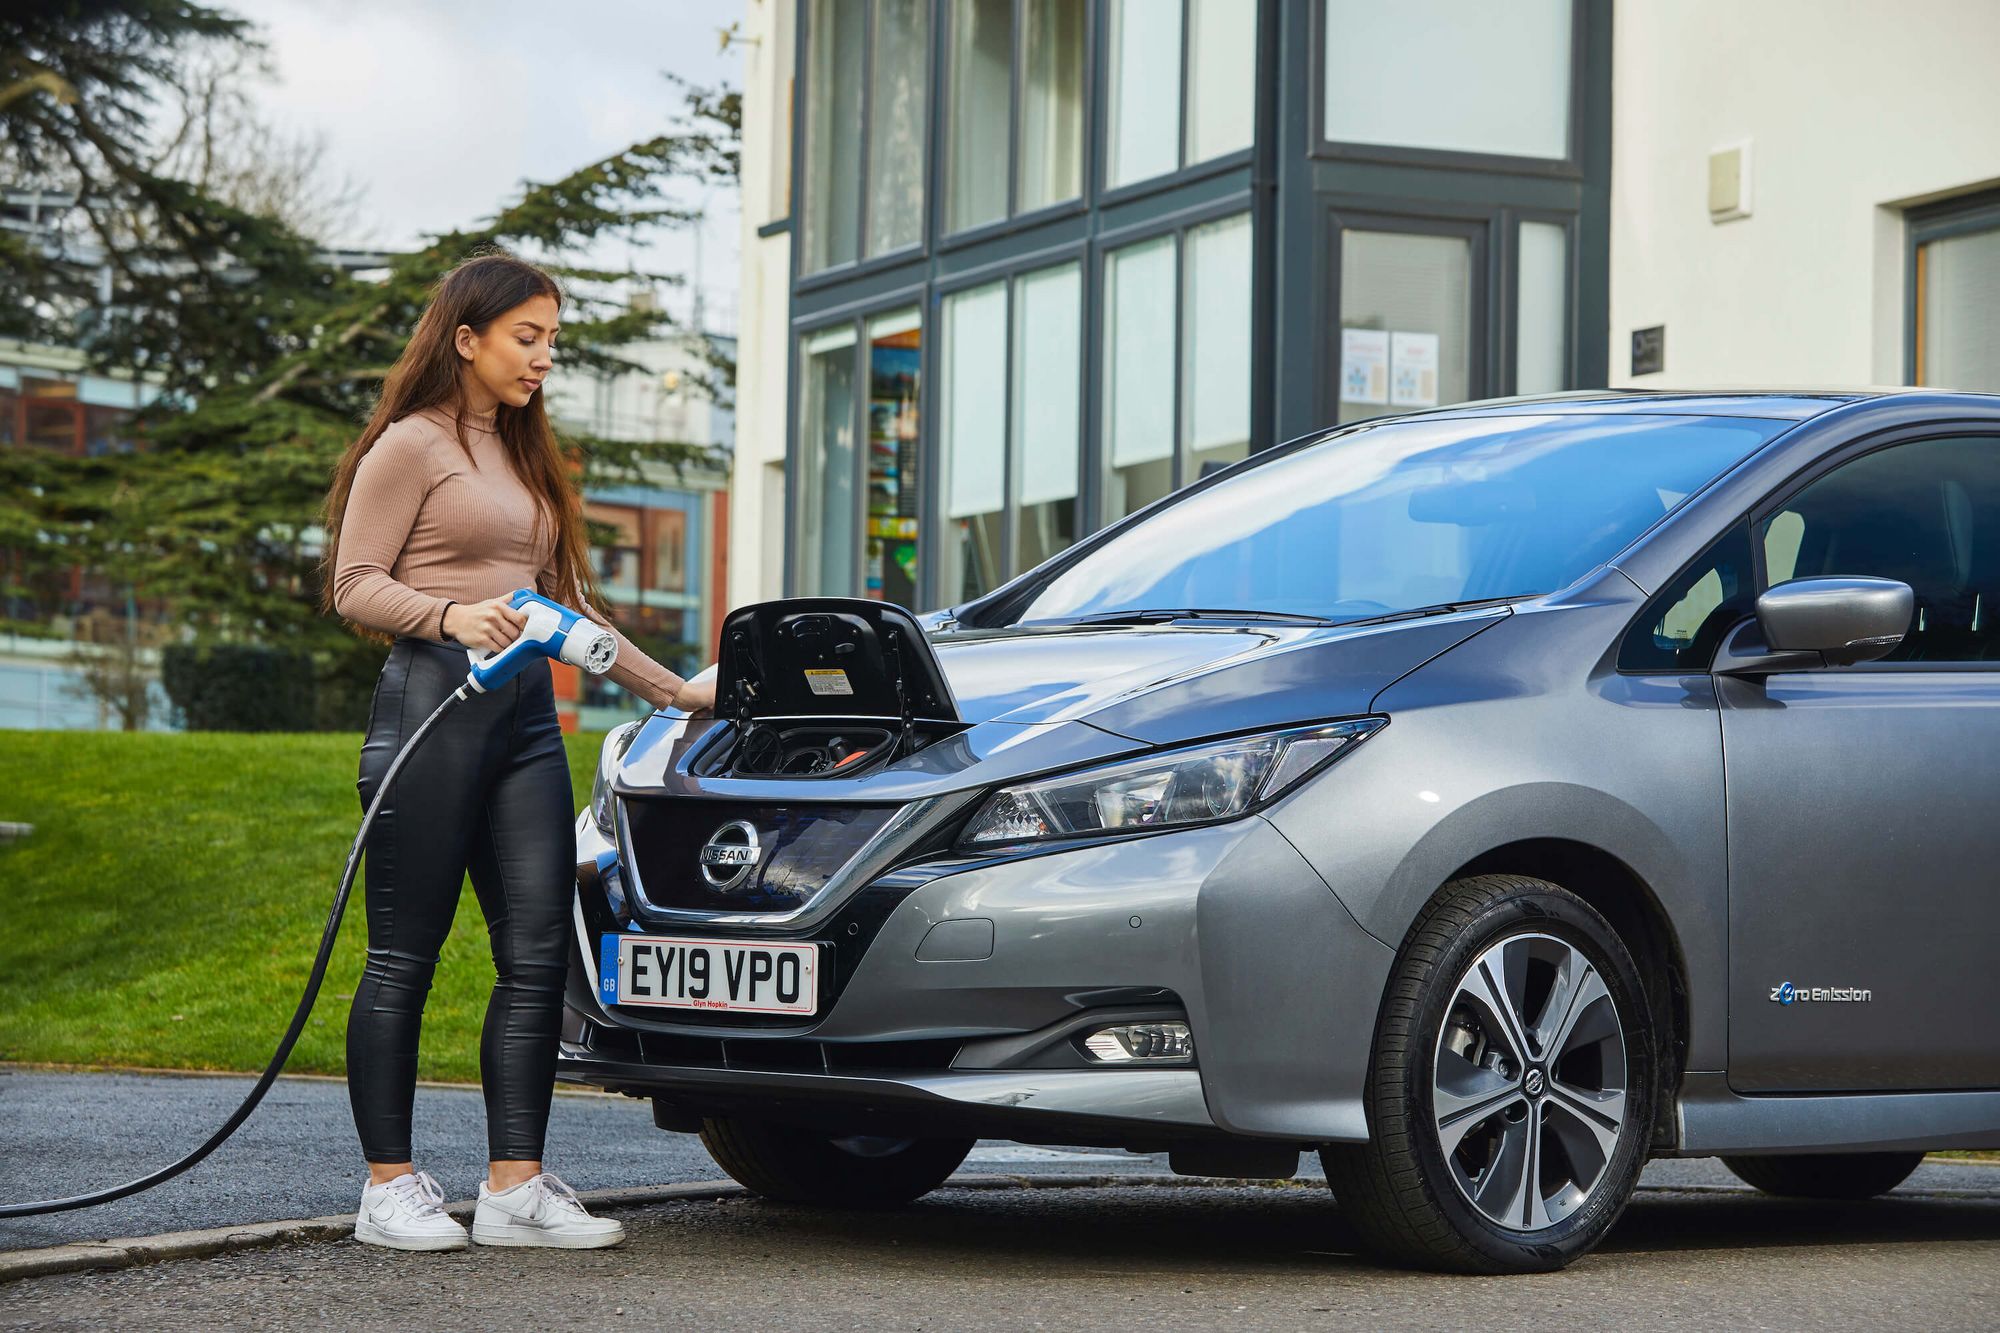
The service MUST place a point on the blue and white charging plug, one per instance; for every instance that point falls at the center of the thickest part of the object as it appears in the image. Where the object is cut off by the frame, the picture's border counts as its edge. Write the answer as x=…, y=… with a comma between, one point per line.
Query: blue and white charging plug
x=553, y=630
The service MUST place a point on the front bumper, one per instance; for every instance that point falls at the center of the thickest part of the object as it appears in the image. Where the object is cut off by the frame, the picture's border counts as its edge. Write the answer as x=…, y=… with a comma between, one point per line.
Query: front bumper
x=1225, y=927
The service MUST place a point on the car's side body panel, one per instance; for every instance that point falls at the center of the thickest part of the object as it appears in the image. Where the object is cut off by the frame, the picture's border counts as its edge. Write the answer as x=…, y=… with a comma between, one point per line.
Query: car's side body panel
x=1525, y=733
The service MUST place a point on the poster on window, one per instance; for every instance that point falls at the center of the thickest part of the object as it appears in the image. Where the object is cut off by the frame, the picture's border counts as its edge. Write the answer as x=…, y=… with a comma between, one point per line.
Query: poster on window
x=1364, y=366
x=1413, y=370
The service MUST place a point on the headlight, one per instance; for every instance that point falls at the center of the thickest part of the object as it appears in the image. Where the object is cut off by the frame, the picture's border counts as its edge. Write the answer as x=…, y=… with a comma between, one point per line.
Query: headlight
x=616, y=742
x=1203, y=784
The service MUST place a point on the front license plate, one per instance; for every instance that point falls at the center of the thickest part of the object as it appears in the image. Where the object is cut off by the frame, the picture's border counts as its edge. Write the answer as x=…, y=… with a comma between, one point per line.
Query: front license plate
x=674, y=973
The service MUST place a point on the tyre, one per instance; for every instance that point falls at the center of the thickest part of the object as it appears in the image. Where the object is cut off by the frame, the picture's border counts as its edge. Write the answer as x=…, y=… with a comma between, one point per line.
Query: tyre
x=1854, y=1175
x=796, y=1166
x=1510, y=1093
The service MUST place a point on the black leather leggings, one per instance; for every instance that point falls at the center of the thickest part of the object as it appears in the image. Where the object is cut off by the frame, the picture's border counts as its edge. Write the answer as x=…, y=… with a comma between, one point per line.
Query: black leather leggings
x=489, y=792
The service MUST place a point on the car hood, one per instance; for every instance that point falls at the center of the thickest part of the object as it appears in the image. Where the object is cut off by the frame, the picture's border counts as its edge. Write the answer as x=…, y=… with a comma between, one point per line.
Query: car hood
x=1162, y=684
x=1038, y=699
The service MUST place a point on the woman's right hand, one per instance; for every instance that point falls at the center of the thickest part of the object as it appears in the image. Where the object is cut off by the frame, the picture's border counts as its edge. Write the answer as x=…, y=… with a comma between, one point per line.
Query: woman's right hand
x=491, y=624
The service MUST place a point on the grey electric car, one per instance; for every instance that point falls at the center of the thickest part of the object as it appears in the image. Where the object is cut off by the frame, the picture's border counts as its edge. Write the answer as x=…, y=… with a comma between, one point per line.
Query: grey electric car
x=1488, y=800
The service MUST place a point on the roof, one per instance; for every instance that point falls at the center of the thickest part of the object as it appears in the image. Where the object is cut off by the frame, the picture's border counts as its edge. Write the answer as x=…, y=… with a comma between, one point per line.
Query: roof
x=1782, y=404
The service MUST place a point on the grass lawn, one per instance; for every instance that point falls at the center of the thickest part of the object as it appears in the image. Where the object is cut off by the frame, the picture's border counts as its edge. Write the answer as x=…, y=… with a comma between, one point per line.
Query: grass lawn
x=165, y=910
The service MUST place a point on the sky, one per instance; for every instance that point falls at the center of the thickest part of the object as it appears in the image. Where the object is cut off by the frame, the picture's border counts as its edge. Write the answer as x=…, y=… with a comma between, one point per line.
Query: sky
x=438, y=109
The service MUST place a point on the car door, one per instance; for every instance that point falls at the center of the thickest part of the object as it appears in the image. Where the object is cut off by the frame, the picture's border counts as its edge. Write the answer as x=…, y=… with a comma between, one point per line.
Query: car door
x=1864, y=803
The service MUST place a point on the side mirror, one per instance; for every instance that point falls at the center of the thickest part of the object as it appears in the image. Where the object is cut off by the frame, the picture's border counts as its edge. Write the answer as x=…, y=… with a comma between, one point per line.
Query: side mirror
x=1820, y=622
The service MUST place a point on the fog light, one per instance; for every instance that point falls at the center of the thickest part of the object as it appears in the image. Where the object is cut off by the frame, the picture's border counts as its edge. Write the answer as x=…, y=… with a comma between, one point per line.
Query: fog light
x=1154, y=1043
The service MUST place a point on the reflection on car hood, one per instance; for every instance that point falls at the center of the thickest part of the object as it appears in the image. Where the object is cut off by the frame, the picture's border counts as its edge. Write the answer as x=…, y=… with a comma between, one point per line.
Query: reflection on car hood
x=1160, y=683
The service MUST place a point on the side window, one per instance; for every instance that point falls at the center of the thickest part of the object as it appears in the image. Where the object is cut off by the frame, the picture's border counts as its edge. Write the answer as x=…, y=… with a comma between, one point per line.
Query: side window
x=1925, y=513
x=1683, y=624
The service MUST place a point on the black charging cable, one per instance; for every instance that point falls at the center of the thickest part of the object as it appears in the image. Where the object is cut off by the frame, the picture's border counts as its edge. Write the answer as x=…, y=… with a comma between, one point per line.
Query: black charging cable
x=299, y=1016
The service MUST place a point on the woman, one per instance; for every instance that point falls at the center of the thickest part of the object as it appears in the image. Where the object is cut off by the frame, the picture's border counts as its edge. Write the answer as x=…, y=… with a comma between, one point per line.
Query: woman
x=454, y=495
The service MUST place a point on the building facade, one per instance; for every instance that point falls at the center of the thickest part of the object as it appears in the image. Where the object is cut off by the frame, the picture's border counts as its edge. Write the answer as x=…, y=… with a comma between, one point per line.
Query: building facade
x=1015, y=268
x=1806, y=193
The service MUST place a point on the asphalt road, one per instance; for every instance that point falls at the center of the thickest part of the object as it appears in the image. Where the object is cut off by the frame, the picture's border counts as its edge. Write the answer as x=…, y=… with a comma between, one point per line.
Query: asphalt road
x=1185, y=1257
x=296, y=1156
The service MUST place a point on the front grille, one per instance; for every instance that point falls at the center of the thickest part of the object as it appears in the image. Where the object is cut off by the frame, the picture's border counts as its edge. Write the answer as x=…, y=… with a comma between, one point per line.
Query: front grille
x=799, y=848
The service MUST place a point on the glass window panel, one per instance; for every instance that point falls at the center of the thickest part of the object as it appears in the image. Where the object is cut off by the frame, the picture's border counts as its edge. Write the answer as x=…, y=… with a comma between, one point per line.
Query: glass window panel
x=833, y=132
x=1139, y=358
x=1449, y=74
x=972, y=428
x=1958, y=313
x=826, y=507
x=107, y=430
x=670, y=542
x=1048, y=360
x=1215, y=375
x=894, y=364
x=1143, y=104
x=1222, y=77
x=1400, y=282
x=896, y=125
x=1915, y=513
x=1051, y=161
x=618, y=572
x=1541, y=309
x=10, y=406
x=1687, y=620
x=982, y=62
x=52, y=425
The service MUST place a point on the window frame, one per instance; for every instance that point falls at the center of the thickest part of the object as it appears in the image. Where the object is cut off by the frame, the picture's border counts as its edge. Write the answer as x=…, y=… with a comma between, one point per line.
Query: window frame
x=944, y=17
x=1186, y=172
x=799, y=216
x=1965, y=215
x=1750, y=519
x=1489, y=343
x=1826, y=465
x=854, y=317
x=1508, y=284
x=1097, y=453
x=933, y=528
x=1567, y=167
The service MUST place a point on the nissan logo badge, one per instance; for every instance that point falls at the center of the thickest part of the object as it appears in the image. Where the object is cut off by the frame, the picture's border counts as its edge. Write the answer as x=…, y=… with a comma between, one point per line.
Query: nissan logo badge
x=729, y=855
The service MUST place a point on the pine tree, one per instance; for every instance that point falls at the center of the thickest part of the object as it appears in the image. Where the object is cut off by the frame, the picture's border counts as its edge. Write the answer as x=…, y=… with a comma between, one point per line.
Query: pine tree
x=269, y=355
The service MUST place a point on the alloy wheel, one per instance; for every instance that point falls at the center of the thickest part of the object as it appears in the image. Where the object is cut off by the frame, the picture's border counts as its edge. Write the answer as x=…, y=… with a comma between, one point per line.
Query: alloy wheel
x=1529, y=1084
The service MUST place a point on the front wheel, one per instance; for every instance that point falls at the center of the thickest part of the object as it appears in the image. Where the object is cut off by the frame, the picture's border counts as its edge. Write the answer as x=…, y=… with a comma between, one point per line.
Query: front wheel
x=1856, y=1175
x=1510, y=1095
x=796, y=1166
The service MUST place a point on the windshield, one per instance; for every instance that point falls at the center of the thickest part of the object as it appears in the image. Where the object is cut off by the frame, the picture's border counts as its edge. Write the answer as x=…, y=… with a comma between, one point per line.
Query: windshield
x=1407, y=514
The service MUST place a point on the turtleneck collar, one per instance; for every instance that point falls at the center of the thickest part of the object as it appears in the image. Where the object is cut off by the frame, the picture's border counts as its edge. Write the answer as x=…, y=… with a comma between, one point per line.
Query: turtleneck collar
x=479, y=423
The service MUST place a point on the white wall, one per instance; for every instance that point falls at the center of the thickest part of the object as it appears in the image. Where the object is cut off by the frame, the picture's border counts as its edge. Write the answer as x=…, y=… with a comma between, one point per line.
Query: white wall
x=1857, y=109
x=756, y=492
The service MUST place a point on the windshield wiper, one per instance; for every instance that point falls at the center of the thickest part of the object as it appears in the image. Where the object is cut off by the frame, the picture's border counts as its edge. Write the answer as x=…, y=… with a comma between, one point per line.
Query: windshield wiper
x=1440, y=609
x=1163, y=615
x=1159, y=615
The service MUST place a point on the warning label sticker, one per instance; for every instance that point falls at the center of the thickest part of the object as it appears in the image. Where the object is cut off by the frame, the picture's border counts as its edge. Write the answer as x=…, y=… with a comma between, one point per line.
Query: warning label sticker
x=828, y=680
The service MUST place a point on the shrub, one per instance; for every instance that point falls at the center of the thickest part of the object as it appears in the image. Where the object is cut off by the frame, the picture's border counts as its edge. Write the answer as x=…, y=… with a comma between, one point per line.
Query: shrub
x=239, y=686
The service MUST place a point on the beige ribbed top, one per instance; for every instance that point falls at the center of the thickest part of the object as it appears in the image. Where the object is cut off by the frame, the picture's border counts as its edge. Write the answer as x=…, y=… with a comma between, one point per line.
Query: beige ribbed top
x=425, y=526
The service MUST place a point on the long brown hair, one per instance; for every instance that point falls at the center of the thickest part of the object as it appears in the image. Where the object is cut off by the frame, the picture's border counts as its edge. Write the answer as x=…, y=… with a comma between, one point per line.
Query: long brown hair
x=428, y=374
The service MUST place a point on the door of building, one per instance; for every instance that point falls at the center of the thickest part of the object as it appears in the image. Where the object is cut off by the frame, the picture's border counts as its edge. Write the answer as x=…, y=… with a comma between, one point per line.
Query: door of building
x=1409, y=296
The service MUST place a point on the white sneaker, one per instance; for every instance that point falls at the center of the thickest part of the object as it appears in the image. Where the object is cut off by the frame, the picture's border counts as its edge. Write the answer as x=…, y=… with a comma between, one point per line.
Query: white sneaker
x=404, y=1214
x=541, y=1211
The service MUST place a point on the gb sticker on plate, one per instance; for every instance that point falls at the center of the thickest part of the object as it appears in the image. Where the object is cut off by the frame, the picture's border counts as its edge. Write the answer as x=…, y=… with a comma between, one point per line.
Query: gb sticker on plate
x=828, y=680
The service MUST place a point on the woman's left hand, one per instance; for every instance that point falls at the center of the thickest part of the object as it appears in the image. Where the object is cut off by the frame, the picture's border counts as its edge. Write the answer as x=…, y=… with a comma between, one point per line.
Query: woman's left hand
x=696, y=696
